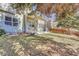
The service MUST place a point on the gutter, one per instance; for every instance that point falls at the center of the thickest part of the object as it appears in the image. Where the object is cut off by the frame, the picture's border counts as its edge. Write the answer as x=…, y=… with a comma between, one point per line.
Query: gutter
x=1, y=10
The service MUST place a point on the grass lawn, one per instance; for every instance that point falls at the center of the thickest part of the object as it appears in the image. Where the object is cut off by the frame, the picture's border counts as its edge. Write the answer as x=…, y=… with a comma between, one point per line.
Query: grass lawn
x=39, y=45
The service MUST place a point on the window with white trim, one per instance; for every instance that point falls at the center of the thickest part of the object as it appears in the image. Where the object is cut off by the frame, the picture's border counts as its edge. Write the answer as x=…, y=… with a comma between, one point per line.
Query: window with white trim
x=8, y=20
x=15, y=22
x=11, y=21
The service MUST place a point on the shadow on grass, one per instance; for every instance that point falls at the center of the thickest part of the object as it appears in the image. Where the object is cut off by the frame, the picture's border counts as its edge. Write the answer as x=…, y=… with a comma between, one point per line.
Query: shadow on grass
x=7, y=48
x=35, y=45
x=57, y=47
x=64, y=37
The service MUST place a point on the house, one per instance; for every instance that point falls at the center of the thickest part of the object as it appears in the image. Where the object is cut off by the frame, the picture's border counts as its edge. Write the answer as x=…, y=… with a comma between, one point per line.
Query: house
x=8, y=21
x=40, y=22
x=36, y=21
x=12, y=23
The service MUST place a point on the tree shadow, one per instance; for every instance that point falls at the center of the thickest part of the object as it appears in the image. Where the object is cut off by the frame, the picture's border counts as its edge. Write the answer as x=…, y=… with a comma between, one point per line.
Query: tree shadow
x=36, y=46
x=65, y=37
x=57, y=47
x=7, y=47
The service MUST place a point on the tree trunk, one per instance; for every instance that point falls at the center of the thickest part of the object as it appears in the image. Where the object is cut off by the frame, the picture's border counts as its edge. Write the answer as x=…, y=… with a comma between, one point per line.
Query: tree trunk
x=25, y=14
x=24, y=23
x=49, y=25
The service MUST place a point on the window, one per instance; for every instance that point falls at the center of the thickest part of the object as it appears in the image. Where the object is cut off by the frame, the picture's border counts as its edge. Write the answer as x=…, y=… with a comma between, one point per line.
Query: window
x=7, y=18
x=10, y=21
x=15, y=22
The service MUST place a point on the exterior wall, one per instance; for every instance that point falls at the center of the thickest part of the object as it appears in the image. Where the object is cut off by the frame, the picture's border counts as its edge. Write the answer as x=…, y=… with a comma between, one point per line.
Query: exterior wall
x=8, y=28
x=41, y=26
x=20, y=25
x=47, y=23
x=49, y=20
x=7, y=7
x=31, y=26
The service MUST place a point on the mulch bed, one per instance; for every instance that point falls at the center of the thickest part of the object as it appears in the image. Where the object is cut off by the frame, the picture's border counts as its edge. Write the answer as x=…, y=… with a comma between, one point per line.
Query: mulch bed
x=64, y=31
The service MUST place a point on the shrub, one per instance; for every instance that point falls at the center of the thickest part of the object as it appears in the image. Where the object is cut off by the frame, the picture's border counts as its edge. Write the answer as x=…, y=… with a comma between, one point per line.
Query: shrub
x=2, y=32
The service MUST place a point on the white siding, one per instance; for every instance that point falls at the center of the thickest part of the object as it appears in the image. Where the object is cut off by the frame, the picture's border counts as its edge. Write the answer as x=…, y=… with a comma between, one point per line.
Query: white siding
x=8, y=28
